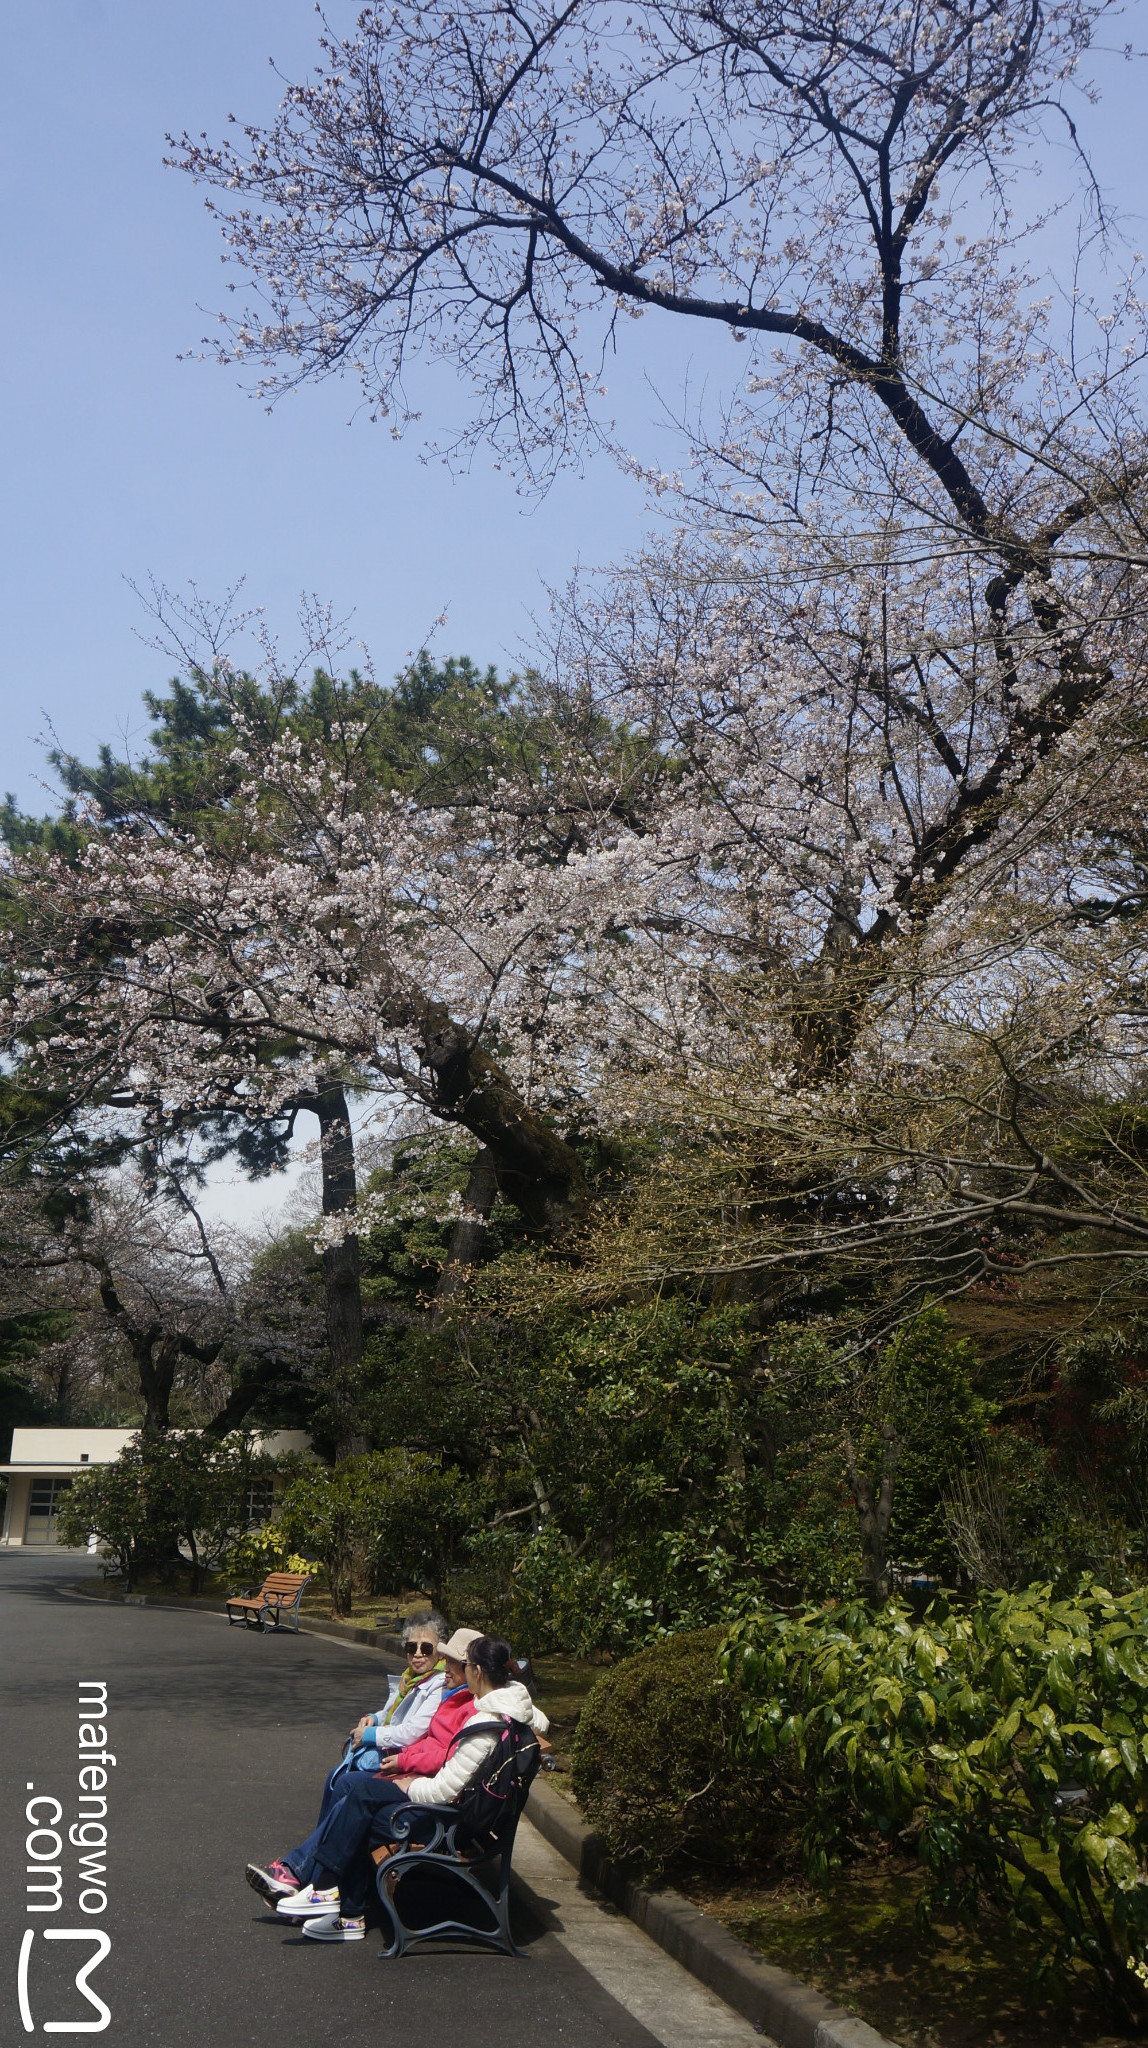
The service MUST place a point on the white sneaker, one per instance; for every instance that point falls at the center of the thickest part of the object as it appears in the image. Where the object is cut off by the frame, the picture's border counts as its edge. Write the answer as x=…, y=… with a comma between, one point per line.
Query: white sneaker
x=307, y=1903
x=333, y=1927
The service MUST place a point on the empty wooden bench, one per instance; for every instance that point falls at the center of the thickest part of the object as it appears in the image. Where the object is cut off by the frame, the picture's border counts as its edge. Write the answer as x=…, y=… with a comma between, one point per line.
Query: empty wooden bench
x=277, y=1599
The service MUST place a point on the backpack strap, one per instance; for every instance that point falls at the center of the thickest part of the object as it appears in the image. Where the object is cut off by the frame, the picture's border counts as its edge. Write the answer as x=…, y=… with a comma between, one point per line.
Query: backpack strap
x=483, y=1728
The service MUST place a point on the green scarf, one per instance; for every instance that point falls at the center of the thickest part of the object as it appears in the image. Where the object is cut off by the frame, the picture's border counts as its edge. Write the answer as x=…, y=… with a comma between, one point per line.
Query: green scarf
x=407, y=1683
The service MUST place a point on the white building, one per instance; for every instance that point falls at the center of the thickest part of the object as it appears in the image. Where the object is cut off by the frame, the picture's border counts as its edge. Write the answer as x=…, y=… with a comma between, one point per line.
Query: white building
x=44, y=1463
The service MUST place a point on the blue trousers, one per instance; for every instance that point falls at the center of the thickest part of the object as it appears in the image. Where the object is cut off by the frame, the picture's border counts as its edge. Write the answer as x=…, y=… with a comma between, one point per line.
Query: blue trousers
x=301, y=1860
x=355, y=1824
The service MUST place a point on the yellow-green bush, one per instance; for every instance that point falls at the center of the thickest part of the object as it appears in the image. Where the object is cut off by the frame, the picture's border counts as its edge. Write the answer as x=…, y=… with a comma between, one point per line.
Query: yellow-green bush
x=261, y=1551
x=1008, y=1737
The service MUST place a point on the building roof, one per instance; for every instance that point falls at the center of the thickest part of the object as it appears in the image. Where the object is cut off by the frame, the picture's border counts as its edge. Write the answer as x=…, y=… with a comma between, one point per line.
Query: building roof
x=58, y=1453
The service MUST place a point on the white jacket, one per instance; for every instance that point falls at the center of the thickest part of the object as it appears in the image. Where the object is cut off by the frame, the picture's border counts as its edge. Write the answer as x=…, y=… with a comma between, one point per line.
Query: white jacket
x=412, y=1716
x=472, y=1750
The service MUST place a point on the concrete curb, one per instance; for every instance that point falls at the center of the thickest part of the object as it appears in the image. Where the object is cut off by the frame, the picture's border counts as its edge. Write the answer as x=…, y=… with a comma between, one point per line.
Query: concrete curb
x=794, y=2013
x=346, y=1631
x=100, y=1590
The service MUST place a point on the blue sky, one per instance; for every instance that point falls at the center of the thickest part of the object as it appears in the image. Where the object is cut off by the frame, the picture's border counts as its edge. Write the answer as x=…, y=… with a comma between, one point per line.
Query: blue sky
x=119, y=461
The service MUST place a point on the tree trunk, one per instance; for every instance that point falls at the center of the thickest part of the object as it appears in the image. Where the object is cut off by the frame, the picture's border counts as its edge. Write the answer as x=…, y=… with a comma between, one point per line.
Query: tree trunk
x=468, y=1237
x=63, y=1388
x=271, y=1372
x=156, y=1356
x=873, y=1514
x=536, y=1169
x=342, y=1278
x=156, y=1351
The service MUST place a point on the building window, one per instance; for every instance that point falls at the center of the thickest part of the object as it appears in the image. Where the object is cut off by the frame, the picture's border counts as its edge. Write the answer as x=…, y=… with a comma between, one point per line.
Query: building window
x=260, y=1501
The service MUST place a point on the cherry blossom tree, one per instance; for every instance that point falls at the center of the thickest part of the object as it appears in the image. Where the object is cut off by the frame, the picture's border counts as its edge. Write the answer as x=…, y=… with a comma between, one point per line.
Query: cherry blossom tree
x=867, y=818
x=138, y=1283
x=317, y=929
x=269, y=777
x=485, y=184
x=919, y=522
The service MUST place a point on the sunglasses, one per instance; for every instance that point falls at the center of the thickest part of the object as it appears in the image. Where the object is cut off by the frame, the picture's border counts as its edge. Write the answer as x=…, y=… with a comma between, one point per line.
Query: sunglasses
x=420, y=1649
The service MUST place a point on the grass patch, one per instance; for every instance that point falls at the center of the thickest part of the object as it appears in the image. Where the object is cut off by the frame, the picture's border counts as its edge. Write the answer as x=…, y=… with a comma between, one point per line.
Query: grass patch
x=563, y=1683
x=861, y=1944
x=367, y=1609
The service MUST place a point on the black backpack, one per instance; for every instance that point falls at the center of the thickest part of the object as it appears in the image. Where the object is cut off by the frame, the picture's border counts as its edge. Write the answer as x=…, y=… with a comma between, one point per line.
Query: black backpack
x=498, y=1794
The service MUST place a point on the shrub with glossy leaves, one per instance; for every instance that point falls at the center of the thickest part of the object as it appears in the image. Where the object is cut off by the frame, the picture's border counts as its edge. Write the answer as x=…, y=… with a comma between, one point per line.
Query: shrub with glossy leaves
x=1009, y=1738
x=260, y=1551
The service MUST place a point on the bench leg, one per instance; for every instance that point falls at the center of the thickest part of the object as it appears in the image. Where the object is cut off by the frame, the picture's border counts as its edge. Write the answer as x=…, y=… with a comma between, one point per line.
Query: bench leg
x=497, y=1904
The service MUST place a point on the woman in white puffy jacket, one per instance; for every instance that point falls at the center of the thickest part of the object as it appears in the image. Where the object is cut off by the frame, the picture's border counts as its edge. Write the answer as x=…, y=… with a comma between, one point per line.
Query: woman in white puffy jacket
x=333, y=1905
x=488, y=1674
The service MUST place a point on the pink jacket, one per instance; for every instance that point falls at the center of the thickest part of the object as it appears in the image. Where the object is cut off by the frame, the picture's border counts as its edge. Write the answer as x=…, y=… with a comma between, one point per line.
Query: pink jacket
x=428, y=1755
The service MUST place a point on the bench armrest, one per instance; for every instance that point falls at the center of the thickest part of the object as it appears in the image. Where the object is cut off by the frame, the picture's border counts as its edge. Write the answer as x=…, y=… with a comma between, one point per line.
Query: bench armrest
x=441, y=1836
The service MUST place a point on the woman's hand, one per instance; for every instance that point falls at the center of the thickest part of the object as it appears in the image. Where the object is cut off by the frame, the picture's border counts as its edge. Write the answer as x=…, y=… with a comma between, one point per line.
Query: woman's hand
x=358, y=1731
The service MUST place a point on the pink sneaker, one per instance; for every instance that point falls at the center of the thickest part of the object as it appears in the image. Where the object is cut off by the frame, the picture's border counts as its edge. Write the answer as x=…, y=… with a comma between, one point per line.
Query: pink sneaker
x=277, y=1881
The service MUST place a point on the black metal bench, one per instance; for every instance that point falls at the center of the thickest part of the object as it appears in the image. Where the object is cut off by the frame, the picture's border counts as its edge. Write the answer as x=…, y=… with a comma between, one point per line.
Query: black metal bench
x=484, y=1873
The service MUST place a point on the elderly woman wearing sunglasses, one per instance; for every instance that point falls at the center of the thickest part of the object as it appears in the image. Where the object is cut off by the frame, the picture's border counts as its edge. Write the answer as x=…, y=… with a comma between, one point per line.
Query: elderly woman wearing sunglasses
x=412, y=1703
x=412, y=1700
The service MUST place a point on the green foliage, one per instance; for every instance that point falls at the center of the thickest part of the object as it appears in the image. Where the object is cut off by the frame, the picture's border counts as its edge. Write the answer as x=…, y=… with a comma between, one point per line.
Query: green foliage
x=639, y=1410
x=163, y=1491
x=21, y=1406
x=329, y=1514
x=654, y=1467
x=441, y=732
x=655, y=1763
x=621, y=1453
x=557, y=1598
x=1009, y=1739
x=640, y=1421
x=690, y=1471
x=422, y=1511
x=925, y=1389
x=393, y=1516
x=1021, y=1513
x=259, y=1551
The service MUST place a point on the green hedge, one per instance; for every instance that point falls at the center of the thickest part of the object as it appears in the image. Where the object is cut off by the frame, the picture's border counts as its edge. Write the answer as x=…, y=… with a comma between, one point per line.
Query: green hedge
x=654, y=1767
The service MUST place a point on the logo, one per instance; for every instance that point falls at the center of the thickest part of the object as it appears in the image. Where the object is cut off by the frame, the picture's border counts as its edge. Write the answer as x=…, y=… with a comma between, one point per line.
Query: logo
x=102, y=1946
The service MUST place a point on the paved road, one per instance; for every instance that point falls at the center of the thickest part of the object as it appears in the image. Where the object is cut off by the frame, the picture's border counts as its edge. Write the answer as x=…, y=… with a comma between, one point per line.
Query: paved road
x=222, y=1738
